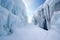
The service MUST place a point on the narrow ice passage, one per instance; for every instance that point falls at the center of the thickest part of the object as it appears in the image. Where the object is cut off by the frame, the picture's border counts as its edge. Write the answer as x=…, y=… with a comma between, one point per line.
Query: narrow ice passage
x=14, y=20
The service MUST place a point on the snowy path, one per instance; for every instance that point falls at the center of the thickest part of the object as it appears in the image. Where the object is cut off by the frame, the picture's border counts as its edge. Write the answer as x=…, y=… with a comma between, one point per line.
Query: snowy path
x=29, y=32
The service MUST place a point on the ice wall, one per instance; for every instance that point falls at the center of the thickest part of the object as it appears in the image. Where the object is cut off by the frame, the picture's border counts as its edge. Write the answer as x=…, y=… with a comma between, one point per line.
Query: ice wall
x=12, y=15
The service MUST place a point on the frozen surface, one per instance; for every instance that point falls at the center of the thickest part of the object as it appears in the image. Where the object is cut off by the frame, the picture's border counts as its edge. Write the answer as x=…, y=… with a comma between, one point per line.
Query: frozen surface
x=29, y=32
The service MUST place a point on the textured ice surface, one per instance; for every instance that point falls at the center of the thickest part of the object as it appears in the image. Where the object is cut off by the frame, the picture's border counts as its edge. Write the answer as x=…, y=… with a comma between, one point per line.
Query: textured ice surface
x=12, y=15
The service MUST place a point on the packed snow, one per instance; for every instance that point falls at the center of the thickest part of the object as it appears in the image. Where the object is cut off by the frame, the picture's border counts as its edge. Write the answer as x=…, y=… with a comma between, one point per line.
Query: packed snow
x=29, y=32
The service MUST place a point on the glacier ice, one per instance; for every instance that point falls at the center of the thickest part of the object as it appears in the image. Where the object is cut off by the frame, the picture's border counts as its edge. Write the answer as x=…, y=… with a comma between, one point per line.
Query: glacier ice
x=3, y=19
x=55, y=21
x=49, y=7
x=39, y=18
x=12, y=15
x=8, y=4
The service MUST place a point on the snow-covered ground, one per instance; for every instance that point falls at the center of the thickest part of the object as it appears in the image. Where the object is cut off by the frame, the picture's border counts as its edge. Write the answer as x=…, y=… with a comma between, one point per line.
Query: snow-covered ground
x=28, y=32
x=32, y=32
